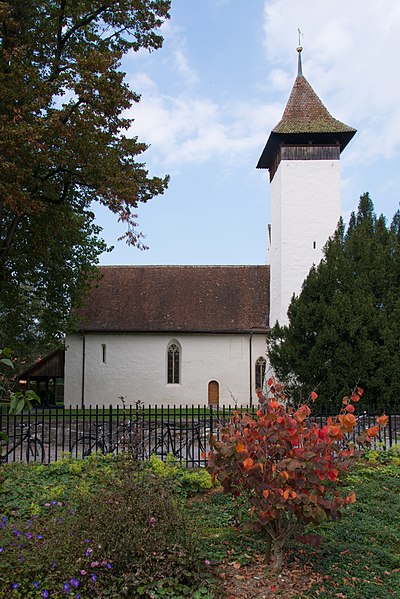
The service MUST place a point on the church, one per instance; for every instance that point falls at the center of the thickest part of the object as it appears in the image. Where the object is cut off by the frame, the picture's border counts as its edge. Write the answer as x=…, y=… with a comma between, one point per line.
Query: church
x=196, y=335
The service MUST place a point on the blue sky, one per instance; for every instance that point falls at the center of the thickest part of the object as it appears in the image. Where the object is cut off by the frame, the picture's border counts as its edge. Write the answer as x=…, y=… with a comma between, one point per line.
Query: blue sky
x=212, y=94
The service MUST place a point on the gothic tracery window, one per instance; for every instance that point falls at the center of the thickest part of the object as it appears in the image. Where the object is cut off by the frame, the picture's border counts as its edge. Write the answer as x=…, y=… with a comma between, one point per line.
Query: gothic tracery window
x=261, y=365
x=173, y=364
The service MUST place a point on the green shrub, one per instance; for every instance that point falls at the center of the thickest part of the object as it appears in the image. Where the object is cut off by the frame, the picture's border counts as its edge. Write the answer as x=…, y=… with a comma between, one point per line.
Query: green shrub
x=128, y=538
x=184, y=481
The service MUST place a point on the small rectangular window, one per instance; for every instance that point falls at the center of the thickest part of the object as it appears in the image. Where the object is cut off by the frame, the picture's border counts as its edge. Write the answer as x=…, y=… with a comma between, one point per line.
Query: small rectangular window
x=103, y=353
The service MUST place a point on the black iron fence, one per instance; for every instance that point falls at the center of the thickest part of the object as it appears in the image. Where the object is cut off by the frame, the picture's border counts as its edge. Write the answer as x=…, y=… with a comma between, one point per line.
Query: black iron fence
x=44, y=435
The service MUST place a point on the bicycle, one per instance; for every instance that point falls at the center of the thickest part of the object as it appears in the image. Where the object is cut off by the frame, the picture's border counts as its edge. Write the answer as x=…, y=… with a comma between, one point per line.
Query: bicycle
x=34, y=445
x=131, y=435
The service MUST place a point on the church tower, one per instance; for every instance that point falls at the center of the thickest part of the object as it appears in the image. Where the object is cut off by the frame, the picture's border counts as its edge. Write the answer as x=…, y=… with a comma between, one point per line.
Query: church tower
x=302, y=155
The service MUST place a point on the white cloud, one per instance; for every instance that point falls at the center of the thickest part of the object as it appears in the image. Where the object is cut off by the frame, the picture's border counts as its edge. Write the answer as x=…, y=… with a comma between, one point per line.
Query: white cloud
x=196, y=129
x=183, y=67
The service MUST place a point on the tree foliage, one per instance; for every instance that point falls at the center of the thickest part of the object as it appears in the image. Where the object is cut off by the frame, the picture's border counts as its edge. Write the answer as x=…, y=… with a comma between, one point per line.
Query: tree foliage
x=65, y=145
x=344, y=327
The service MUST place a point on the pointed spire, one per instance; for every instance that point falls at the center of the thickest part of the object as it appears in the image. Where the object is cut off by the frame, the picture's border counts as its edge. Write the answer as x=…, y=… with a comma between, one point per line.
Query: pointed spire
x=305, y=120
x=299, y=50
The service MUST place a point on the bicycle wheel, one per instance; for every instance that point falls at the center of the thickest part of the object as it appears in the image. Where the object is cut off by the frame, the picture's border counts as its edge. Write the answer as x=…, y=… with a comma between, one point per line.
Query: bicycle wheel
x=35, y=450
x=195, y=449
x=86, y=445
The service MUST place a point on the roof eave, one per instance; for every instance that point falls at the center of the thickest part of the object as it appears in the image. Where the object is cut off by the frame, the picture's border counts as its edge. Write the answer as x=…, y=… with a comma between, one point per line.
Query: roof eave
x=275, y=141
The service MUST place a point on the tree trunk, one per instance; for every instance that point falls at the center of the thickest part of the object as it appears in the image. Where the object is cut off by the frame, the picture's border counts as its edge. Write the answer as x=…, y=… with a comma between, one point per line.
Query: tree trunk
x=277, y=556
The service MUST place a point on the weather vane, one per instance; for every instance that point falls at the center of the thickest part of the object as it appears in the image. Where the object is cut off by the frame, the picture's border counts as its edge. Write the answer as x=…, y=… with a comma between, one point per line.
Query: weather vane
x=300, y=36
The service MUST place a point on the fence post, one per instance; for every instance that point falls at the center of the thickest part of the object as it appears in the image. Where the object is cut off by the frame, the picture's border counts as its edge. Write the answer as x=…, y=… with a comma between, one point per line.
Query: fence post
x=390, y=426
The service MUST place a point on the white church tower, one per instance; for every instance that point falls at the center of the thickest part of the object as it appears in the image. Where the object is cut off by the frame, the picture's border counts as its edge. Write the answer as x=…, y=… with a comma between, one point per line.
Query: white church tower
x=302, y=155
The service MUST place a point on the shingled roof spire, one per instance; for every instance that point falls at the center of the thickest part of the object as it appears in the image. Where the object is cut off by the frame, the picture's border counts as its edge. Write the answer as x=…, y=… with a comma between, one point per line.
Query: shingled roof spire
x=305, y=121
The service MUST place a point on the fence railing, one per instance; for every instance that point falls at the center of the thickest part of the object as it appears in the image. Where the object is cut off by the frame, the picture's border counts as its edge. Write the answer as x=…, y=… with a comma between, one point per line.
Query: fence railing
x=183, y=431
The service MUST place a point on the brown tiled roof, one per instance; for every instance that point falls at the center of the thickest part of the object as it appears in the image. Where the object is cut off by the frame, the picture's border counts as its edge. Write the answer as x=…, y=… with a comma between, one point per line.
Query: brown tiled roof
x=305, y=121
x=305, y=113
x=178, y=298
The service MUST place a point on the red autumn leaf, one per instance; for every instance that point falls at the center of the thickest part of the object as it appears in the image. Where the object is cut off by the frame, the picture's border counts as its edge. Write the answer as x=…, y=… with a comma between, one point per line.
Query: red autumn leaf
x=350, y=408
x=266, y=493
x=333, y=474
x=314, y=395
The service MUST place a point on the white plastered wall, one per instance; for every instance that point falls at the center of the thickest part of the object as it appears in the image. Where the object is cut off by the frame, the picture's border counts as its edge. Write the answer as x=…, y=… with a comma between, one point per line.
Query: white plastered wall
x=305, y=210
x=136, y=368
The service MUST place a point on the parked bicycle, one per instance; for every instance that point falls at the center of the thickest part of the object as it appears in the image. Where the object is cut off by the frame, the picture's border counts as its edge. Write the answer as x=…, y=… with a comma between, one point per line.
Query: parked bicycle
x=129, y=436
x=27, y=441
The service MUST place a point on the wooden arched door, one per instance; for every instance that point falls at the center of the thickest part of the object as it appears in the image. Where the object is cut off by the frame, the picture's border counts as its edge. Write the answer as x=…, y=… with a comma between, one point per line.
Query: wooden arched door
x=213, y=393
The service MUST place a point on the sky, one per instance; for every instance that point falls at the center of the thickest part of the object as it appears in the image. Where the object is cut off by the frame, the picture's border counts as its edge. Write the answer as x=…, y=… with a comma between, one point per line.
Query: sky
x=211, y=95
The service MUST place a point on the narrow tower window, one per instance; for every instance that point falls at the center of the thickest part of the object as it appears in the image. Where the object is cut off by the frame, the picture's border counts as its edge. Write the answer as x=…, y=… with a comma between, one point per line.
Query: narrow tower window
x=103, y=353
x=261, y=365
x=314, y=245
x=173, y=366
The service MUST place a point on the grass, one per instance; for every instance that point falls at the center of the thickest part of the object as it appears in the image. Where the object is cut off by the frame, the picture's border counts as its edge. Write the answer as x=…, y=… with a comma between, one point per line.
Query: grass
x=359, y=557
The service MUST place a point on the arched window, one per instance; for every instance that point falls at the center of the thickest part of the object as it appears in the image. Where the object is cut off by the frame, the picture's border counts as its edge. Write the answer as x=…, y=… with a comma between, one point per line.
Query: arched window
x=261, y=366
x=173, y=363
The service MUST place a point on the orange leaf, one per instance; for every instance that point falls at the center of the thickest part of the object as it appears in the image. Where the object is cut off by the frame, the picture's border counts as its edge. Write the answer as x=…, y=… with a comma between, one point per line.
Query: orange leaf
x=382, y=420
x=350, y=499
x=266, y=493
x=373, y=431
x=314, y=395
x=240, y=446
x=248, y=464
x=286, y=493
x=350, y=408
x=285, y=474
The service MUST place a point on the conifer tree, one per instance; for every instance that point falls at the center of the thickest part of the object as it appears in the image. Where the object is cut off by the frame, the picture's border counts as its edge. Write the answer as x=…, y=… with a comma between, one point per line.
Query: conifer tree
x=344, y=326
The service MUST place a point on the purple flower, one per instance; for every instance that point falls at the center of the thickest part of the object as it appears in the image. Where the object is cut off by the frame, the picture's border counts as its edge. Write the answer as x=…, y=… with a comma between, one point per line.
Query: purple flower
x=54, y=502
x=94, y=564
x=14, y=585
x=88, y=551
x=78, y=596
x=29, y=535
x=4, y=520
x=36, y=585
x=40, y=536
x=93, y=577
x=74, y=582
x=45, y=594
x=66, y=587
x=83, y=572
x=53, y=565
x=109, y=566
x=1, y=549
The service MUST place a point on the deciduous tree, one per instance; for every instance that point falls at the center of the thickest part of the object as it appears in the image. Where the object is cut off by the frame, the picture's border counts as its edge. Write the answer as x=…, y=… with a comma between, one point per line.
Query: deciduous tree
x=65, y=145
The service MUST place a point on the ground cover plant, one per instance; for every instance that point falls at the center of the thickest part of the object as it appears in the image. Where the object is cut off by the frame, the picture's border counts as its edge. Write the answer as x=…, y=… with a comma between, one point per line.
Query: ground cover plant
x=110, y=529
